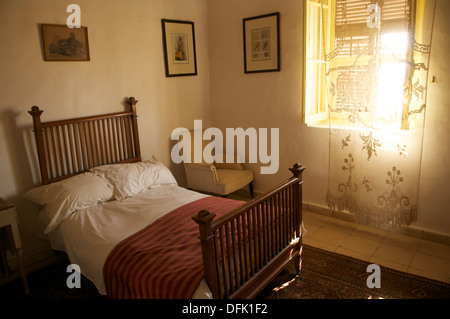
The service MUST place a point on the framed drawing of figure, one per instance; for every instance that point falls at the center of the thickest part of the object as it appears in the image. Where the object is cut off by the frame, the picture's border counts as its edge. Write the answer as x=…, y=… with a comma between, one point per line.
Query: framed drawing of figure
x=179, y=47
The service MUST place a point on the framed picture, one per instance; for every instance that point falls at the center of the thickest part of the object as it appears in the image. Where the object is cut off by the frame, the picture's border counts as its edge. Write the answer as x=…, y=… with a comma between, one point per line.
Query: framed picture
x=62, y=43
x=262, y=43
x=179, y=47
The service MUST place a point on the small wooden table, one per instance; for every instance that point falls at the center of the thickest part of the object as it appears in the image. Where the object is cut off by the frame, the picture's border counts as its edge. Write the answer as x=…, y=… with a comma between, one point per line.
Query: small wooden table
x=8, y=217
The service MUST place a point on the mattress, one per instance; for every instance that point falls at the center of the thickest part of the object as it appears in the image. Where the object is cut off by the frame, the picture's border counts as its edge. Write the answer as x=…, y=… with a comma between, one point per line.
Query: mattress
x=89, y=235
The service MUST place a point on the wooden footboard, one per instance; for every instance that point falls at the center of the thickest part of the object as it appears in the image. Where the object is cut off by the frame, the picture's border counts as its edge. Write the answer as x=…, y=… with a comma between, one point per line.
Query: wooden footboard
x=246, y=248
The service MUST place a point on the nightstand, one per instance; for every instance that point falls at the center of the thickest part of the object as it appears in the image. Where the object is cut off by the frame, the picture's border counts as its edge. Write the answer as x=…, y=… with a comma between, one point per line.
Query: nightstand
x=8, y=217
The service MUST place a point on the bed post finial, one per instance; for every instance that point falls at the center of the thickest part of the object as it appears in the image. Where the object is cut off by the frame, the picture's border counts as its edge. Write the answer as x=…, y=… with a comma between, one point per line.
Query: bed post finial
x=297, y=170
x=132, y=103
x=204, y=218
x=36, y=114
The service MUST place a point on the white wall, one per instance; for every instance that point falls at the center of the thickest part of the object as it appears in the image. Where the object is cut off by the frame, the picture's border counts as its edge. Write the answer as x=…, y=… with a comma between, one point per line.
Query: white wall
x=434, y=196
x=266, y=100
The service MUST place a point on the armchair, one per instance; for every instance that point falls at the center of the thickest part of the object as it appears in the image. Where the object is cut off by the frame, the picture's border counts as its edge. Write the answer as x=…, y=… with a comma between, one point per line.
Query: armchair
x=217, y=178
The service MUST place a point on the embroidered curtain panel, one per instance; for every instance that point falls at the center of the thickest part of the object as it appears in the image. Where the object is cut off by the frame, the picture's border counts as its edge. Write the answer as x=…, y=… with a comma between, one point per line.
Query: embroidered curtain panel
x=376, y=59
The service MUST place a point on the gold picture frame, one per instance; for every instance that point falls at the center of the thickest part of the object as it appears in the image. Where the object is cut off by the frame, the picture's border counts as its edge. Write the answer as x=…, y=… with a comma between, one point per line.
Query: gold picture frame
x=179, y=47
x=62, y=43
x=262, y=43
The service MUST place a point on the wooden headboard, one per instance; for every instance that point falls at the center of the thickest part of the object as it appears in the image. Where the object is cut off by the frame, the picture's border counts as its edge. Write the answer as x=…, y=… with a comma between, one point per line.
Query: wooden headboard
x=73, y=146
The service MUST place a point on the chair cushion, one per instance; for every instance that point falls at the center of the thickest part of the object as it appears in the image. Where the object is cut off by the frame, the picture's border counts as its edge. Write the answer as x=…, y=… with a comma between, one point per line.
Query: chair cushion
x=230, y=180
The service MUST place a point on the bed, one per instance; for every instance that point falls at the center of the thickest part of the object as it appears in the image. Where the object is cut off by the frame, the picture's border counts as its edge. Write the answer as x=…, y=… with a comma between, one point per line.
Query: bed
x=136, y=234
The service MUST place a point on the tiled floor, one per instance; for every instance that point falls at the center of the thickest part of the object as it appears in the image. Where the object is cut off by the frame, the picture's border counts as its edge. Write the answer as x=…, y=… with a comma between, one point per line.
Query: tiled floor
x=405, y=253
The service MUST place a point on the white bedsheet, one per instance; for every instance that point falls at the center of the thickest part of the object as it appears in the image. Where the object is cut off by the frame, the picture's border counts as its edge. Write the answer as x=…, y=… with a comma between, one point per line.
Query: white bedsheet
x=89, y=235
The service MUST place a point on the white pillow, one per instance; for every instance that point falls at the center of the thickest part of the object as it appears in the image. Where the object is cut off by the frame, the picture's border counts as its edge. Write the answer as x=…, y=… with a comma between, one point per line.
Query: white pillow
x=127, y=179
x=63, y=198
x=133, y=178
x=164, y=175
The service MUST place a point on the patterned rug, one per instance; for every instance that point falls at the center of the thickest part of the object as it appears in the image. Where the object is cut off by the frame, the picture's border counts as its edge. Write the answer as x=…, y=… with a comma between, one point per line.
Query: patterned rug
x=324, y=275
x=327, y=275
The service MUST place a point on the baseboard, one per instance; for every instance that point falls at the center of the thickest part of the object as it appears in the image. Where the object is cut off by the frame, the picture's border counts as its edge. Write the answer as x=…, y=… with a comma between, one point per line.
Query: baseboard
x=403, y=230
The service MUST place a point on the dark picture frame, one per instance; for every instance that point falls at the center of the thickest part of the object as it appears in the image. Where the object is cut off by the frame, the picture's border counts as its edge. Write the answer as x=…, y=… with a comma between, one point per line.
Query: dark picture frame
x=179, y=47
x=62, y=43
x=262, y=43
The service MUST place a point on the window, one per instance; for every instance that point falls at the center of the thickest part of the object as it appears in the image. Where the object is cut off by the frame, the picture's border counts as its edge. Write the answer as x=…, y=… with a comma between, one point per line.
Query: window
x=317, y=18
x=356, y=62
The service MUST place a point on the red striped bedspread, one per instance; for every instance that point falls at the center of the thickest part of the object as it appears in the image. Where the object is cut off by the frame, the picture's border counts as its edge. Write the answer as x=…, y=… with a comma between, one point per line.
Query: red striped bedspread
x=164, y=259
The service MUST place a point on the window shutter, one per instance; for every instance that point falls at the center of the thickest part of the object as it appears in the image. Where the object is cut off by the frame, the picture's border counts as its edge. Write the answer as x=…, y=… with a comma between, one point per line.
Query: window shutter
x=354, y=12
x=351, y=30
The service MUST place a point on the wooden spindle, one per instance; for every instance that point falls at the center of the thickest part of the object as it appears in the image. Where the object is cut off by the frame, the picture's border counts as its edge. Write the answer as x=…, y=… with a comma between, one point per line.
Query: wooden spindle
x=72, y=147
x=94, y=143
x=91, y=149
x=78, y=146
x=104, y=141
x=222, y=284
x=58, y=152
x=255, y=238
x=265, y=230
x=85, y=146
x=53, y=155
x=123, y=140
x=49, y=154
x=245, y=244
x=240, y=244
x=67, y=169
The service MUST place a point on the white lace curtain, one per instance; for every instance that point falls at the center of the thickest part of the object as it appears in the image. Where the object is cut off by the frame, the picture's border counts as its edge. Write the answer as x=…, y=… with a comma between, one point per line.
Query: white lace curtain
x=377, y=58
